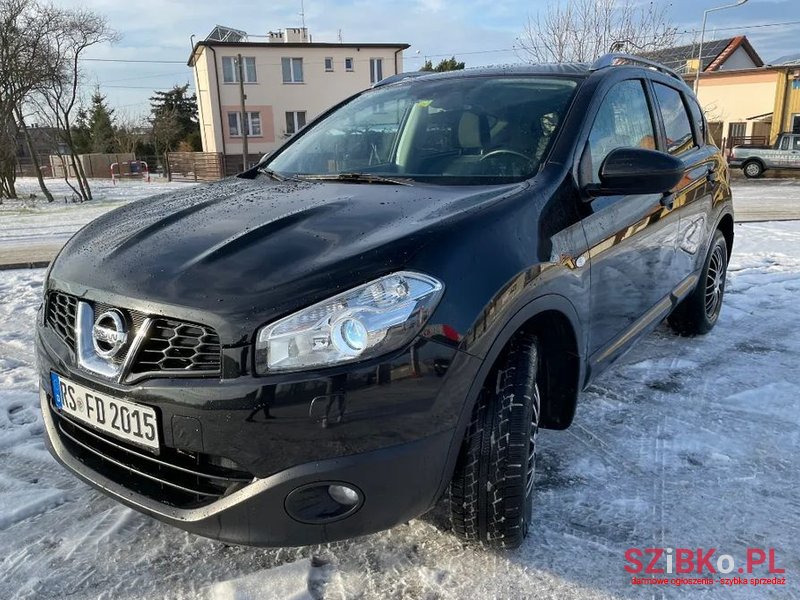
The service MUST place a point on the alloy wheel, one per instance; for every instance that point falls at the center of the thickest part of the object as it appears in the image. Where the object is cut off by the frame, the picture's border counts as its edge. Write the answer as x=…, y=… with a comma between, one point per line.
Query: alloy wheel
x=715, y=283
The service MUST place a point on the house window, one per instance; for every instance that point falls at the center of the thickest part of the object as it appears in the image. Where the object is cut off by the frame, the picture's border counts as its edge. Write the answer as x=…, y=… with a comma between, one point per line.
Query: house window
x=253, y=124
x=292, y=70
x=795, y=123
x=329, y=64
x=295, y=121
x=230, y=69
x=375, y=70
x=348, y=64
x=736, y=133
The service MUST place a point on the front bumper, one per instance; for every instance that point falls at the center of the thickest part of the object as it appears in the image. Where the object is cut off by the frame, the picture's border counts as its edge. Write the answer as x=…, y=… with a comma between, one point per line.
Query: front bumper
x=387, y=429
x=398, y=484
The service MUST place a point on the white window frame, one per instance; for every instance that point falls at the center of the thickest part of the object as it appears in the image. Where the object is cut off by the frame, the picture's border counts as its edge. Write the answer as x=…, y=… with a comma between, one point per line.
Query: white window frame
x=375, y=69
x=254, y=128
x=328, y=64
x=292, y=73
x=231, y=60
x=351, y=68
x=296, y=120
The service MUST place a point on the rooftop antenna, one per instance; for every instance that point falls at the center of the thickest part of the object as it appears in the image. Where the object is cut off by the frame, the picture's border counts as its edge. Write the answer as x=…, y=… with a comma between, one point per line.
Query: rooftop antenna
x=302, y=14
x=340, y=36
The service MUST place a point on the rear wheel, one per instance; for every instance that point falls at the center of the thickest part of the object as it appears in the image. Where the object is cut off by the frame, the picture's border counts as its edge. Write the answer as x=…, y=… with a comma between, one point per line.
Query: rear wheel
x=491, y=494
x=752, y=169
x=699, y=311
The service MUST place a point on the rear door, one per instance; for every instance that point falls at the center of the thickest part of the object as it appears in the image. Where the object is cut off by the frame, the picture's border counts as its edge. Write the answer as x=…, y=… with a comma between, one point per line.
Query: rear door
x=704, y=177
x=631, y=237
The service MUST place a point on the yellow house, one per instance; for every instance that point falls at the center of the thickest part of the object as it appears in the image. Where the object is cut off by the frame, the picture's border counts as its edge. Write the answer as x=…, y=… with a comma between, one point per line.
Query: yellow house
x=284, y=80
x=786, y=114
x=751, y=105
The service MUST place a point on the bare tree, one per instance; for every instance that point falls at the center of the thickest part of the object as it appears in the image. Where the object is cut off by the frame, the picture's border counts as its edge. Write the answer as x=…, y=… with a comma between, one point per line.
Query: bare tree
x=582, y=30
x=25, y=56
x=130, y=132
x=80, y=30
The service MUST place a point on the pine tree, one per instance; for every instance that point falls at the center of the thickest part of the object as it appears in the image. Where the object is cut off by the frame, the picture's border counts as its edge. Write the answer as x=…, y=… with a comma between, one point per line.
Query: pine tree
x=174, y=118
x=100, y=125
x=446, y=64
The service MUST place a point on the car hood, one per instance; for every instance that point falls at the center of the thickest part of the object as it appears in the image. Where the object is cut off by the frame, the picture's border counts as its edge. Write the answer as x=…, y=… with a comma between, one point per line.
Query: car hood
x=241, y=252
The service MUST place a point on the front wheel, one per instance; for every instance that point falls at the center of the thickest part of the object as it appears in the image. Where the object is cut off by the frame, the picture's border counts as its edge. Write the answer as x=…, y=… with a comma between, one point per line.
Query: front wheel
x=698, y=312
x=491, y=494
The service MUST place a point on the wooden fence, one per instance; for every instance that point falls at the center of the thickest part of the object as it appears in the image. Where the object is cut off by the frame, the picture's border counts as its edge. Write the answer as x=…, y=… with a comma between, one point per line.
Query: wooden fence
x=195, y=166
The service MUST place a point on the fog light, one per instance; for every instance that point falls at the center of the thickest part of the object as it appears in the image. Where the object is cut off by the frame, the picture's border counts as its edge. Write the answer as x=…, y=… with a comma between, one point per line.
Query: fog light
x=323, y=502
x=344, y=495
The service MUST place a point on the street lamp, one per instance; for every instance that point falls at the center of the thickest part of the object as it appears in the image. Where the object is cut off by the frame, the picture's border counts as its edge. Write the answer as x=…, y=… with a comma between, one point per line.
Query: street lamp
x=703, y=35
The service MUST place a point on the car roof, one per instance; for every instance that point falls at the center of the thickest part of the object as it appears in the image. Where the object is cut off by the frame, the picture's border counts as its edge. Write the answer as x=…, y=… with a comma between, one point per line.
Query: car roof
x=573, y=69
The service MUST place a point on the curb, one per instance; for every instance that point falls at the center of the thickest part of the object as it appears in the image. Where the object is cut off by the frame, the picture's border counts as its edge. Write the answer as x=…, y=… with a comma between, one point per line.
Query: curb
x=36, y=264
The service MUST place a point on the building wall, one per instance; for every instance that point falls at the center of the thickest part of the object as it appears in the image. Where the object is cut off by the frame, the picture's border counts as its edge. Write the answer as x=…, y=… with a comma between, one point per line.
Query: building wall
x=740, y=59
x=736, y=97
x=787, y=101
x=271, y=97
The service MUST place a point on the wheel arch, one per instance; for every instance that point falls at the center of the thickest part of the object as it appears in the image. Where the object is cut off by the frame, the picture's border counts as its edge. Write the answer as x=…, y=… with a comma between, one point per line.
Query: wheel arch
x=554, y=320
x=725, y=225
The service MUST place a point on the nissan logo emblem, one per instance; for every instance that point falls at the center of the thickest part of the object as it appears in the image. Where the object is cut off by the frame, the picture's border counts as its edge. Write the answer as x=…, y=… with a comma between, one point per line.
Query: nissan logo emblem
x=109, y=334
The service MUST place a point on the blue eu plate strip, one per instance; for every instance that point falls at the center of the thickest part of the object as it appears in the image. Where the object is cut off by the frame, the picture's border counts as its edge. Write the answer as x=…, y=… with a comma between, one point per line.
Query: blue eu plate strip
x=56, y=390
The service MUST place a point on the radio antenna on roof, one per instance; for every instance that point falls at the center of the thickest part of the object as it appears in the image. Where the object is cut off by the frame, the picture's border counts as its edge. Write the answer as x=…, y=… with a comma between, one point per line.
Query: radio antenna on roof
x=302, y=14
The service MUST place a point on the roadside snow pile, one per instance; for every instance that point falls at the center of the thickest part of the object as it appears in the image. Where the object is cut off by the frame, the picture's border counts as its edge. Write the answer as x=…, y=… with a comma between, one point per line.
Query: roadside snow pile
x=687, y=443
x=33, y=219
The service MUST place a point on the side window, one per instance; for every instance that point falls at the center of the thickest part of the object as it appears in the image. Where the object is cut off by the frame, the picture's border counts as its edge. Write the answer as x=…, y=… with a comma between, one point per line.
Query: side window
x=677, y=126
x=623, y=121
x=785, y=143
x=797, y=143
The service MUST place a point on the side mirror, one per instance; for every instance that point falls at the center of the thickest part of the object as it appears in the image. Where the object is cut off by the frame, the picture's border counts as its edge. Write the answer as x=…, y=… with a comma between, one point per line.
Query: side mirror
x=637, y=171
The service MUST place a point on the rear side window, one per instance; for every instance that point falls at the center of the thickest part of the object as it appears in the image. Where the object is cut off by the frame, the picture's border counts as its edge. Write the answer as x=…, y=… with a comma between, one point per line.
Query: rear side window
x=623, y=121
x=677, y=125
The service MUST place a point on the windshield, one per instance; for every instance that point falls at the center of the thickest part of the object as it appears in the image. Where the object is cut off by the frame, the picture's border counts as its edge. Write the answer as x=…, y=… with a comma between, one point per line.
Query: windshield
x=466, y=130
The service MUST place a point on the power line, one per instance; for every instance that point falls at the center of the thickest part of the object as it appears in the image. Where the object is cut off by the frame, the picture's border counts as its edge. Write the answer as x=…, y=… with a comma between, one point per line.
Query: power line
x=448, y=54
x=126, y=60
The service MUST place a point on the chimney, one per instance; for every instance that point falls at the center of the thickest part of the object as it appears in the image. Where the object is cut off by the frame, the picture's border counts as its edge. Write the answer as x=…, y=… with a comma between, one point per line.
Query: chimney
x=296, y=34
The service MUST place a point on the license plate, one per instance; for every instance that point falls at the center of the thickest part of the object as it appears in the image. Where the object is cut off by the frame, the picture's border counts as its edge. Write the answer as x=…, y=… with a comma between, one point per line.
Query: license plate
x=119, y=418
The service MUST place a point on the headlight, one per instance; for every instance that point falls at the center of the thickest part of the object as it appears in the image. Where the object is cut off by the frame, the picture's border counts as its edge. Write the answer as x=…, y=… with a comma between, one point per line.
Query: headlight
x=367, y=321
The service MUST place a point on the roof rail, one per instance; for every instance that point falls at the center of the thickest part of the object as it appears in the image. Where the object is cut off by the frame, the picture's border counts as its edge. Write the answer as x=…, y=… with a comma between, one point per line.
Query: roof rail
x=400, y=77
x=615, y=59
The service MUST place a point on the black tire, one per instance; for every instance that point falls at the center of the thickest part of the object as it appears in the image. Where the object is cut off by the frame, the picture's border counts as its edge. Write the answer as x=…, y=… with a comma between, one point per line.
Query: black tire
x=753, y=169
x=698, y=312
x=491, y=494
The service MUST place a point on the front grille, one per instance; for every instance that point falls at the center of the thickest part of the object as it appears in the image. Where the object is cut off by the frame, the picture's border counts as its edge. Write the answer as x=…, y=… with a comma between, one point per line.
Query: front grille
x=62, y=310
x=177, y=346
x=170, y=347
x=175, y=478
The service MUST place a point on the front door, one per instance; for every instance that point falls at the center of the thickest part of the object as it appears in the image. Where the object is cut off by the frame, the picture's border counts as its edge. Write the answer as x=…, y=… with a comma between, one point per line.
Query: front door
x=632, y=239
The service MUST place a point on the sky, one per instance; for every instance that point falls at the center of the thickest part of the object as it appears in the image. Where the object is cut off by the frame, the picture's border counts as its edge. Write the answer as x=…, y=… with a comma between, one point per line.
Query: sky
x=479, y=32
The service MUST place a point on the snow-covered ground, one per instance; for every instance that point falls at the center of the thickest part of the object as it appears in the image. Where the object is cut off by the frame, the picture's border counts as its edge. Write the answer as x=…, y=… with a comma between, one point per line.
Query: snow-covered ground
x=687, y=443
x=31, y=219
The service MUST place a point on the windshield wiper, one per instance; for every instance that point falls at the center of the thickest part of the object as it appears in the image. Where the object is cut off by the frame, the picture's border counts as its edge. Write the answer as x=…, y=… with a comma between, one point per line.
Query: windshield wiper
x=359, y=178
x=276, y=176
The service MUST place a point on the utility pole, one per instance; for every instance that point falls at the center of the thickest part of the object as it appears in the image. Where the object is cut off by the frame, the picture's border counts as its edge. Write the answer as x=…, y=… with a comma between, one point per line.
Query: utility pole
x=702, y=39
x=243, y=115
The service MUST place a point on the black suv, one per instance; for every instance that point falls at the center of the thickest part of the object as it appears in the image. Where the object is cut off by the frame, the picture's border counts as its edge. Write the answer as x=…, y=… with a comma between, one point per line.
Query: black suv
x=385, y=311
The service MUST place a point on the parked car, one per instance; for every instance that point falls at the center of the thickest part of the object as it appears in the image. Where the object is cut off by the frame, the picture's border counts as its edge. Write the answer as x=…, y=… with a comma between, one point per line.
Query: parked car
x=387, y=309
x=754, y=160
